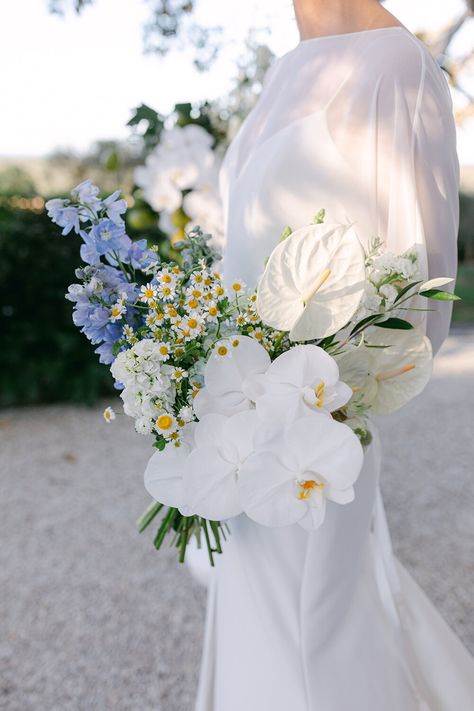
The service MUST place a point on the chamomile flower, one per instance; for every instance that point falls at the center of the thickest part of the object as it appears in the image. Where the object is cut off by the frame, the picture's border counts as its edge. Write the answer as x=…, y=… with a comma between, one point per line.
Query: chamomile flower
x=117, y=310
x=191, y=303
x=192, y=325
x=222, y=349
x=129, y=334
x=195, y=292
x=218, y=292
x=166, y=292
x=109, y=415
x=163, y=351
x=211, y=312
x=237, y=287
x=179, y=374
x=166, y=424
x=198, y=279
x=153, y=320
x=148, y=293
x=172, y=314
x=166, y=278
x=257, y=333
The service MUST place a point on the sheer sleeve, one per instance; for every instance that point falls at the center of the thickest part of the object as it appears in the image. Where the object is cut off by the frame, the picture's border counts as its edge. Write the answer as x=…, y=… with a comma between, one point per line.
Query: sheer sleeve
x=399, y=130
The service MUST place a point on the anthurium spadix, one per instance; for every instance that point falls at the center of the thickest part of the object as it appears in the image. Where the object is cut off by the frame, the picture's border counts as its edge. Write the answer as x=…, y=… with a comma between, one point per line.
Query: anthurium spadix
x=317, y=459
x=230, y=376
x=388, y=369
x=313, y=281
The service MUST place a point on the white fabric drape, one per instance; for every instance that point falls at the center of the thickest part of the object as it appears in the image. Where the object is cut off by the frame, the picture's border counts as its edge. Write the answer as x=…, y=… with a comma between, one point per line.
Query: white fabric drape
x=360, y=124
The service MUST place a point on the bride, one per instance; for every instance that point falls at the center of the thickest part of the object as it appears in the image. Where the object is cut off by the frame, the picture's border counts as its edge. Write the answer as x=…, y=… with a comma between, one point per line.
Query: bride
x=357, y=119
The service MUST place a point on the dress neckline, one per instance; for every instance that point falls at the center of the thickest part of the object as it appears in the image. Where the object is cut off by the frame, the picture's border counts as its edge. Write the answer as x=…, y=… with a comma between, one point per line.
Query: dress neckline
x=351, y=34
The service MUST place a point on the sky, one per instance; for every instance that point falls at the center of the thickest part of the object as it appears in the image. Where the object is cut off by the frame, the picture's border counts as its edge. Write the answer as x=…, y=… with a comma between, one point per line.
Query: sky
x=69, y=81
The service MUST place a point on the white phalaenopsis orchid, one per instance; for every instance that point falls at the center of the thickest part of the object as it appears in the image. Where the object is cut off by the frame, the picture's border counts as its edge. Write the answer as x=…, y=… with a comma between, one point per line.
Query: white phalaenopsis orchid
x=313, y=281
x=165, y=471
x=388, y=369
x=317, y=459
x=212, y=468
x=303, y=380
x=230, y=376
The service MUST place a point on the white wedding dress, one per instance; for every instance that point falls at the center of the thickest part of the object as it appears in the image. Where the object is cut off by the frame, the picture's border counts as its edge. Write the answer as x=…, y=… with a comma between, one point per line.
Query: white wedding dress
x=360, y=124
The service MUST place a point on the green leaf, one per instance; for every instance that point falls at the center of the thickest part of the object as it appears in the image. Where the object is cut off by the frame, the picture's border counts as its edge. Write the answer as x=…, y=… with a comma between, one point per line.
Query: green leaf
x=399, y=323
x=117, y=347
x=406, y=289
x=440, y=295
x=319, y=217
x=286, y=233
x=367, y=321
x=160, y=443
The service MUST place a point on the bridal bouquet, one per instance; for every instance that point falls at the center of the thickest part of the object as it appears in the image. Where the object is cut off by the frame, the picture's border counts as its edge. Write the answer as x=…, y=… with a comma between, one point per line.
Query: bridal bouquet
x=258, y=401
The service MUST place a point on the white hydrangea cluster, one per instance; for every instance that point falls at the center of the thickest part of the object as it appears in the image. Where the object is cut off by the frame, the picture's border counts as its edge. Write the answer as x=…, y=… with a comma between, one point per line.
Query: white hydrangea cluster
x=148, y=386
x=387, y=274
x=184, y=160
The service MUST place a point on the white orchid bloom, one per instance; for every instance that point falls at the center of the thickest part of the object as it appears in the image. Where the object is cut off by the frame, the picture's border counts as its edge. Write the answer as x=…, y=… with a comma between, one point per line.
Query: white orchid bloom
x=317, y=459
x=303, y=380
x=230, y=377
x=389, y=369
x=212, y=468
x=165, y=470
x=313, y=281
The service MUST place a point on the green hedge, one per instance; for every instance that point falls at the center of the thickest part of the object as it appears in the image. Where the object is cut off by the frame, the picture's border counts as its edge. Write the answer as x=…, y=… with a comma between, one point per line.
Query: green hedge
x=43, y=357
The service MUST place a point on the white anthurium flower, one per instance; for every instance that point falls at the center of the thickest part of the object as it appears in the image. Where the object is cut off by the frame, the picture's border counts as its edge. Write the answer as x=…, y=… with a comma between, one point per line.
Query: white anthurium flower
x=313, y=281
x=230, y=377
x=435, y=283
x=212, y=469
x=316, y=460
x=165, y=470
x=388, y=369
x=303, y=380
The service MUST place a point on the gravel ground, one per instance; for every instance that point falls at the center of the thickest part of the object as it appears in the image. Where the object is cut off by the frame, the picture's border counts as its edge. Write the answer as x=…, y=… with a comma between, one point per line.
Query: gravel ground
x=94, y=620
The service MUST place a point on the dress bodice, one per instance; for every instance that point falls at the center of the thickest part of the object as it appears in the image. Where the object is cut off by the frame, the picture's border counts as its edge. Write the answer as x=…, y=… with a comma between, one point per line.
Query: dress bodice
x=360, y=124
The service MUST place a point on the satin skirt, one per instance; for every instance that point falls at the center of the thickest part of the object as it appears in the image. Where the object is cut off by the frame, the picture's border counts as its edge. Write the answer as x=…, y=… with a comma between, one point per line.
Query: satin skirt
x=326, y=620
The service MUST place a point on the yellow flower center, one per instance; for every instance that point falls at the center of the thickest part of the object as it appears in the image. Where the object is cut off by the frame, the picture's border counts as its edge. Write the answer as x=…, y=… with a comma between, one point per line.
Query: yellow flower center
x=236, y=286
x=192, y=323
x=164, y=422
x=193, y=303
x=164, y=350
x=222, y=350
x=196, y=293
x=198, y=279
x=236, y=343
x=212, y=311
x=319, y=393
x=166, y=291
x=149, y=293
x=306, y=488
x=166, y=278
x=116, y=311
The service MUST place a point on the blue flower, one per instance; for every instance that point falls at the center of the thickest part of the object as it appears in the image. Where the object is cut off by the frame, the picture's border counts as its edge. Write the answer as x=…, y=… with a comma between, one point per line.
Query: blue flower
x=86, y=193
x=106, y=237
x=139, y=256
x=66, y=217
x=115, y=207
